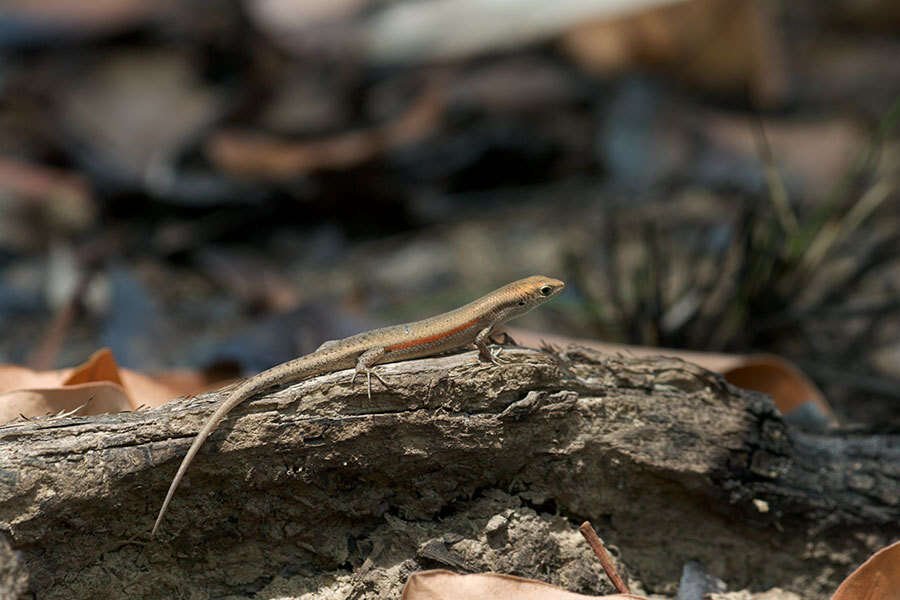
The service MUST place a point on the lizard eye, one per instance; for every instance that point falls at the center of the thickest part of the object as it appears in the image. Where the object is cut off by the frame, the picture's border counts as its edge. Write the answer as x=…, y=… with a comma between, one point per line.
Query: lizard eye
x=521, y=303
x=546, y=290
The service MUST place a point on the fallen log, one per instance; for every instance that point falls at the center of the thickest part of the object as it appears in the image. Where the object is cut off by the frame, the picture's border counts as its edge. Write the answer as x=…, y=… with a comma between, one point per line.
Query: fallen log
x=314, y=488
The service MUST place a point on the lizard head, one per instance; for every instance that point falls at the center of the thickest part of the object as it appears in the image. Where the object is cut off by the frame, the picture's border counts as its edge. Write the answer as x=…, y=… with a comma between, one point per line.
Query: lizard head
x=525, y=294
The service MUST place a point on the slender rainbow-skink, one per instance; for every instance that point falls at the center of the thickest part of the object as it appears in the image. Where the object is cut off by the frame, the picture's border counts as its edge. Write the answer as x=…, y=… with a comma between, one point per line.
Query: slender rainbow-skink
x=469, y=324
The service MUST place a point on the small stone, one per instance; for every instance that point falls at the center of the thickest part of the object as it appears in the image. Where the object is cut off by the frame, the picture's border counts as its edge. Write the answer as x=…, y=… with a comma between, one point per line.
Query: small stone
x=496, y=524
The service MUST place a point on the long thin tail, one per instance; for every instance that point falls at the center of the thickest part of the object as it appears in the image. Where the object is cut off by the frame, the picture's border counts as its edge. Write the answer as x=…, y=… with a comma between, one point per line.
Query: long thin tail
x=241, y=393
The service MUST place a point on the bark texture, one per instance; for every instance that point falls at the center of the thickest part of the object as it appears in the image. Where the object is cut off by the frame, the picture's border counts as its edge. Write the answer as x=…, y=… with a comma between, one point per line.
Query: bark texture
x=314, y=488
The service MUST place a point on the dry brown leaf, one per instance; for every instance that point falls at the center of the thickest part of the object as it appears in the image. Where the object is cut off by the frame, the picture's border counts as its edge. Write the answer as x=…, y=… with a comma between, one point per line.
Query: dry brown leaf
x=445, y=585
x=96, y=387
x=719, y=45
x=15, y=377
x=778, y=378
x=788, y=386
x=101, y=366
x=86, y=398
x=256, y=154
x=876, y=579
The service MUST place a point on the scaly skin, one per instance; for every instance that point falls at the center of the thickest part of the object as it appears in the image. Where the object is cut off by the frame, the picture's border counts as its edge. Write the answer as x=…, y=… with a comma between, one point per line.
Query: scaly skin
x=469, y=324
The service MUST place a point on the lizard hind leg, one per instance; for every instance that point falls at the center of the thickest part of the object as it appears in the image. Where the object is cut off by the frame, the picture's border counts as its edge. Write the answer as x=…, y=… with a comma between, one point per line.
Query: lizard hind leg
x=328, y=344
x=366, y=364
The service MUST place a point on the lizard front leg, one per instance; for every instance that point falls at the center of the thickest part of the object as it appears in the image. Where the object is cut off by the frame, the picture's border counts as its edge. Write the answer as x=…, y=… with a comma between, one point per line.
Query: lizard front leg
x=483, y=351
x=366, y=364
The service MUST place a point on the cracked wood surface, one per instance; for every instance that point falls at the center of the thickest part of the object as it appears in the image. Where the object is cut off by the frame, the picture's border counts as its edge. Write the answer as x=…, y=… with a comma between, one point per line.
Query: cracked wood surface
x=314, y=486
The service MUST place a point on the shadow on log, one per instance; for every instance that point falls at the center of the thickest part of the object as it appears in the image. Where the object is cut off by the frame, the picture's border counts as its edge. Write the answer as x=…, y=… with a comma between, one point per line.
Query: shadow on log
x=461, y=465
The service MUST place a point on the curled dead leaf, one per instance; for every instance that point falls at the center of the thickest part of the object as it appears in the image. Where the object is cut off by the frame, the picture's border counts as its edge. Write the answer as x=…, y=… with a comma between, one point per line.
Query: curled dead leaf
x=786, y=384
x=96, y=387
x=718, y=45
x=86, y=398
x=260, y=155
x=876, y=579
x=445, y=585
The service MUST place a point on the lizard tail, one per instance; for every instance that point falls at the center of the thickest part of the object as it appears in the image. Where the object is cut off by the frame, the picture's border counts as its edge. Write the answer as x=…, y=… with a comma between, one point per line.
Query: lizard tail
x=241, y=393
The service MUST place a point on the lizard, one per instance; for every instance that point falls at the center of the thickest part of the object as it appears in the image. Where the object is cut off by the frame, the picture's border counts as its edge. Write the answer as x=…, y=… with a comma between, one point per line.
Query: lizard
x=468, y=324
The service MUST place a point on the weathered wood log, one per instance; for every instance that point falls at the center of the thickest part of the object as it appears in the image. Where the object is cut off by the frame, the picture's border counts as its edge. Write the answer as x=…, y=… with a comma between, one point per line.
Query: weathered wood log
x=459, y=464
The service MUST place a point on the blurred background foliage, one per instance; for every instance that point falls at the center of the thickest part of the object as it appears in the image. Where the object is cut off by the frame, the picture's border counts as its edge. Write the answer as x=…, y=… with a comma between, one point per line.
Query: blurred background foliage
x=225, y=184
